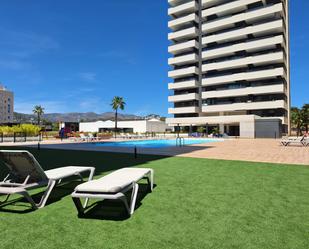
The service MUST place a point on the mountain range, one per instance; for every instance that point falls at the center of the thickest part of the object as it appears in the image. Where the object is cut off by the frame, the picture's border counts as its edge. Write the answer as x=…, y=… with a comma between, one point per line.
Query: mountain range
x=75, y=117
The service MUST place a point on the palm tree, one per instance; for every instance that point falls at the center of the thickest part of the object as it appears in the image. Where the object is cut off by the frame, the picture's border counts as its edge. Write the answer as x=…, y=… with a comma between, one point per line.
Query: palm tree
x=39, y=111
x=297, y=119
x=117, y=103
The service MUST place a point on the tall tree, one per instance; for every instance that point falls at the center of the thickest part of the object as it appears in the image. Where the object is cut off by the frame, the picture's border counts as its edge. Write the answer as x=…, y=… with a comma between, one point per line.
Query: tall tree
x=117, y=103
x=39, y=111
x=305, y=116
x=296, y=119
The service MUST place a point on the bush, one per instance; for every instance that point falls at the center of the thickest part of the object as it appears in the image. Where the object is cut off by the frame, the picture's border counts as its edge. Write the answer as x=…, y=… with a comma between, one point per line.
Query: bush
x=200, y=129
x=28, y=129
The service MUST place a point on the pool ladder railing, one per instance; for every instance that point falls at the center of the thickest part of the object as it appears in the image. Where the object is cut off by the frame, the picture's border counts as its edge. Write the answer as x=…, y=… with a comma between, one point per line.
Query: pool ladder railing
x=180, y=141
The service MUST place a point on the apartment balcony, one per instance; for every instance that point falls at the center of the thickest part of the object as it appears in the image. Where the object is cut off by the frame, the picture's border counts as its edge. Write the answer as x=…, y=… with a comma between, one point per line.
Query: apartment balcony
x=263, y=59
x=176, y=2
x=252, y=46
x=209, y=3
x=181, y=110
x=228, y=9
x=181, y=60
x=183, y=47
x=178, y=73
x=179, y=22
x=183, y=97
x=271, y=89
x=183, y=85
x=248, y=17
x=188, y=33
x=255, y=30
x=256, y=75
x=182, y=9
x=245, y=106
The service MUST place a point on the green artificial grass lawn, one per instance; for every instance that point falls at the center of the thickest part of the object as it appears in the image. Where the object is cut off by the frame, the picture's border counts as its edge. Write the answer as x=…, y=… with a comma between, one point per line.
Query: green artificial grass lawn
x=197, y=203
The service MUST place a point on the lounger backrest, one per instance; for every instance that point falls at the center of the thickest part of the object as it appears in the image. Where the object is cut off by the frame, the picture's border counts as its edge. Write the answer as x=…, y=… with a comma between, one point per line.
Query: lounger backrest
x=22, y=164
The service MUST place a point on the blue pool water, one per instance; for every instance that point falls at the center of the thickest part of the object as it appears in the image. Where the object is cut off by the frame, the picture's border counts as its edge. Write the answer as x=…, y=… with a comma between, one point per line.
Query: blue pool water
x=154, y=143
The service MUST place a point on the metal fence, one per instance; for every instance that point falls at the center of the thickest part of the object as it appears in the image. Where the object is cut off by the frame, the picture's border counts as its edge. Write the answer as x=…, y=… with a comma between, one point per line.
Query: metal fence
x=19, y=137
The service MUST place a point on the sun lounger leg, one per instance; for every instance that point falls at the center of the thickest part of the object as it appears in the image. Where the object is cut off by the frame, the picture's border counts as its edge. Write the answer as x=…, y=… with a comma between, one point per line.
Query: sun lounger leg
x=80, y=176
x=151, y=179
x=125, y=202
x=133, y=198
x=89, y=179
x=45, y=196
x=29, y=199
x=78, y=205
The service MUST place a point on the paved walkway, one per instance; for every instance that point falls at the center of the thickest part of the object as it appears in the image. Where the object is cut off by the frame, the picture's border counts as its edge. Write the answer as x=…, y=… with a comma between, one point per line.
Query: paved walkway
x=256, y=150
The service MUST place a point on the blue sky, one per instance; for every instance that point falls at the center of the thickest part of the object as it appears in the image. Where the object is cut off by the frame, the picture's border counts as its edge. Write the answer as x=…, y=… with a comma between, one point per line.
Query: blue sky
x=75, y=55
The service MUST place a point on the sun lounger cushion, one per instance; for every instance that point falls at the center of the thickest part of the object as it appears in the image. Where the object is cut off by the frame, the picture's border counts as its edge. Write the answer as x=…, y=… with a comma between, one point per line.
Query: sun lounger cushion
x=114, y=182
x=63, y=172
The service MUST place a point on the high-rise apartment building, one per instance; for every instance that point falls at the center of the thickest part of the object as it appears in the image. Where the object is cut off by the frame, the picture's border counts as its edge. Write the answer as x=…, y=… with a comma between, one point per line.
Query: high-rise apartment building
x=230, y=65
x=6, y=106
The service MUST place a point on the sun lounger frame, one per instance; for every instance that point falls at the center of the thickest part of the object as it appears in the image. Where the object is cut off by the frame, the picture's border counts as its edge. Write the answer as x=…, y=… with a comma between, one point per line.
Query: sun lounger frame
x=8, y=188
x=130, y=206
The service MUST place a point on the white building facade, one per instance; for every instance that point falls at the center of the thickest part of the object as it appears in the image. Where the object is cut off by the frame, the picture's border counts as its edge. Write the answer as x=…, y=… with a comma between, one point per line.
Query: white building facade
x=6, y=106
x=136, y=126
x=230, y=64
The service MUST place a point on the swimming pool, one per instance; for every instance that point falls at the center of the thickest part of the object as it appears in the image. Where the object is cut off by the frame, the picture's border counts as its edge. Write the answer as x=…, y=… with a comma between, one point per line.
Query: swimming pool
x=163, y=143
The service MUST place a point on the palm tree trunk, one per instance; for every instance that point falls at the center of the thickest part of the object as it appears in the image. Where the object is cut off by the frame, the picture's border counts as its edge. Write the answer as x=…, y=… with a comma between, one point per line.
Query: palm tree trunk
x=38, y=119
x=116, y=117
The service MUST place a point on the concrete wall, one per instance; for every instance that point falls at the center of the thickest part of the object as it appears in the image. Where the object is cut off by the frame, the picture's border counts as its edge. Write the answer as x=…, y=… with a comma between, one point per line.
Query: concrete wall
x=246, y=129
x=156, y=126
x=141, y=126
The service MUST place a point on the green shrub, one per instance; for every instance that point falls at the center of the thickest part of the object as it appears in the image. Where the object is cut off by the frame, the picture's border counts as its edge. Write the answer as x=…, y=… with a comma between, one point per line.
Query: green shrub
x=28, y=129
x=200, y=129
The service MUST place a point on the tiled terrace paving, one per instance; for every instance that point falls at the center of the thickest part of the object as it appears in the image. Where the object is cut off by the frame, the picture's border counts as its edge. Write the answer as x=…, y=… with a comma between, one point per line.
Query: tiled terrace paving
x=255, y=150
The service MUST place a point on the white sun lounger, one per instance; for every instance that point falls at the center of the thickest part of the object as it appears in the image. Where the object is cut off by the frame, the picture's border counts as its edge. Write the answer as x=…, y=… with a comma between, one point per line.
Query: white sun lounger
x=84, y=137
x=288, y=141
x=93, y=138
x=306, y=141
x=26, y=173
x=113, y=186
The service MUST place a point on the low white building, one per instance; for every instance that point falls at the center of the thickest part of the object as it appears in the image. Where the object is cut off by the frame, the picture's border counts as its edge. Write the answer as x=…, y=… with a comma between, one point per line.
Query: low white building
x=139, y=126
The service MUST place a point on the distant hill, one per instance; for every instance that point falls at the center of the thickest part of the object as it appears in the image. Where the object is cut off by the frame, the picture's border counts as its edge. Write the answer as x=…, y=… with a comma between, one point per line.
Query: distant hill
x=74, y=117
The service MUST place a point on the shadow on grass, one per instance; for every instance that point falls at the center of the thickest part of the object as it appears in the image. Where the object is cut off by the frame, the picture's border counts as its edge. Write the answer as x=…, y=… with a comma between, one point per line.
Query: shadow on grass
x=52, y=158
x=114, y=210
x=102, y=161
x=21, y=205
